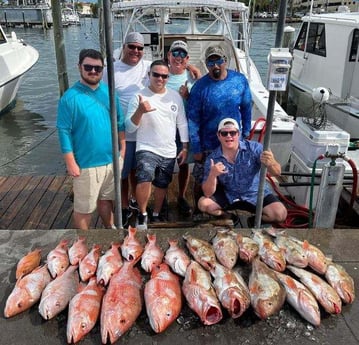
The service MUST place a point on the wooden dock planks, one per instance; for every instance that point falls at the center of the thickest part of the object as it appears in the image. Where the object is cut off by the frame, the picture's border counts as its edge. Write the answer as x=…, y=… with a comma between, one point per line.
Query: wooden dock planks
x=35, y=202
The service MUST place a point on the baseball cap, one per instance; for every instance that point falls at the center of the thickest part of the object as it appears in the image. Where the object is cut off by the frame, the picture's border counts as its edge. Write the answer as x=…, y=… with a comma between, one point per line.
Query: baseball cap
x=215, y=50
x=228, y=123
x=134, y=37
x=179, y=45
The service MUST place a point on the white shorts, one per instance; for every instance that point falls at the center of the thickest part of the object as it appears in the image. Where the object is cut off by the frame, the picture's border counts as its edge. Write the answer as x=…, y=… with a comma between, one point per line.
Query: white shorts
x=94, y=184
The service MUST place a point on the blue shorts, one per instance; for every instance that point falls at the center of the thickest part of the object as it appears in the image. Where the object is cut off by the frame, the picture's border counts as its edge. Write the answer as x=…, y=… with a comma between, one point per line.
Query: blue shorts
x=129, y=162
x=154, y=168
x=220, y=198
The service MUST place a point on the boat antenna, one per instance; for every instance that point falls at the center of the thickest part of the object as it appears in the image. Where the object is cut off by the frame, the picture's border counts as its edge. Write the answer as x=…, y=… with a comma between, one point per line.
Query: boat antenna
x=111, y=88
x=269, y=117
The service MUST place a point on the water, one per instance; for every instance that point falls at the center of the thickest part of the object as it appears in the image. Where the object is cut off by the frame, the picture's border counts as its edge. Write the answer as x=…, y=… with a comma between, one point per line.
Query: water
x=28, y=137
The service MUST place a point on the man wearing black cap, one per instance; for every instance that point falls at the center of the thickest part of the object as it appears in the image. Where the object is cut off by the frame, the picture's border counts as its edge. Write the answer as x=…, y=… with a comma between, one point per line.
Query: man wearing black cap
x=221, y=93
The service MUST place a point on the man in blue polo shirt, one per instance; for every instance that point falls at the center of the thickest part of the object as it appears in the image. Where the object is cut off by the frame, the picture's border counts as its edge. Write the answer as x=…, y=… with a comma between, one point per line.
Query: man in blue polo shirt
x=84, y=128
x=231, y=176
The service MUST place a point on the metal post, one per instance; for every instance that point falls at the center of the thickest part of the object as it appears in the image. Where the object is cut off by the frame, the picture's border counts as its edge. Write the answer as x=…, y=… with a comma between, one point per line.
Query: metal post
x=111, y=87
x=59, y=47
x=269, y=117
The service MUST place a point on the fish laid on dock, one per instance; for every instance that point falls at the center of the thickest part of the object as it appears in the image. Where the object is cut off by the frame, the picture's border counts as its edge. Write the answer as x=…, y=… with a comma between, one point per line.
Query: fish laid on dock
x=200, y=294
x=28, y=263
x=88, y=265
x=226, y=247
x=58, y=259
x=58, y=293
x=152, y=255
x=109, y=264
x=176, y=258
x=163, y=297
x=84, y=310
x=122, y=303
x=78, y=250
x=300, y=298
x=27, y=291
x=232, y=291
x=267, y=294
x=322, y=291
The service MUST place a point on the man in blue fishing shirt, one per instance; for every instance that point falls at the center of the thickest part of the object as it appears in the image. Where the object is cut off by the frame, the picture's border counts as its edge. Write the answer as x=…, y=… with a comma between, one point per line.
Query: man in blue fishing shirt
x=220, y=94
x=84, y=128
x=231, y=176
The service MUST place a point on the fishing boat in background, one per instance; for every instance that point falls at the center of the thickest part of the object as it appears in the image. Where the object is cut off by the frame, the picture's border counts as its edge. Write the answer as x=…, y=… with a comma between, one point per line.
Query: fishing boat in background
x=202, y=24
x=69, y=17
x=16, y=58
x=324, y=80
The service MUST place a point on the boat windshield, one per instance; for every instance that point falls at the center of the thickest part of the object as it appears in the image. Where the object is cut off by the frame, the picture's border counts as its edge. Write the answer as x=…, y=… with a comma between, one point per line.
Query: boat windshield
x=185, y=20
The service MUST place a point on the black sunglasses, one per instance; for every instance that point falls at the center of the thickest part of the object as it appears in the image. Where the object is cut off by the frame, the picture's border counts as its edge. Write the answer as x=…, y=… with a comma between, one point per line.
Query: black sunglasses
x=225, y=133
x=157, y=75
x=133, y=47
x=89, y=68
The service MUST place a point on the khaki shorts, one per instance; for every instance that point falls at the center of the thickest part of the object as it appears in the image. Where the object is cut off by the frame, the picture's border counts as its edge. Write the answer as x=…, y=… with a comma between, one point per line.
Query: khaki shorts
x=92, y=185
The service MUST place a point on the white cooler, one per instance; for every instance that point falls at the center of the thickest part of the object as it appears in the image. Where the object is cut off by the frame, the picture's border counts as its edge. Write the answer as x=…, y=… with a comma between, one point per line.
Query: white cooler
x=308, y=144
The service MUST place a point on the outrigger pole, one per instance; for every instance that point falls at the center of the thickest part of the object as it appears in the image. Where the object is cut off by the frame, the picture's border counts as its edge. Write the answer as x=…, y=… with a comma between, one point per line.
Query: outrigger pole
x=269, y=118
x=113, y=112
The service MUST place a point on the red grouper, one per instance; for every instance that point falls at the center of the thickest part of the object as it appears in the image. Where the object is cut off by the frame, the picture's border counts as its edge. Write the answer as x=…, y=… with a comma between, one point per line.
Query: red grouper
x=267, y=294
x=27, y=291
x=341, y=282
x=202, y=251
x=248, y=248
x=176, y=258
x=163, y=297
x=84, y=309
x=231, y=289
x=322, y=291
x=122, y=302
x=300, y=298
x=226, y=247
x=200, y=294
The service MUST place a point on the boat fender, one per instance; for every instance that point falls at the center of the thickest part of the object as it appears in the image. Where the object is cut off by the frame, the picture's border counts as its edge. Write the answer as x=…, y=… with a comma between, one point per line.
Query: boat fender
x=320, y=94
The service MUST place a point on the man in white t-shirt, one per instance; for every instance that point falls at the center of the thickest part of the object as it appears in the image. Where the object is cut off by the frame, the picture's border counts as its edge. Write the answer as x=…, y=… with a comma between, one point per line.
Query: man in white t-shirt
x=156, y=113
x=131, y=75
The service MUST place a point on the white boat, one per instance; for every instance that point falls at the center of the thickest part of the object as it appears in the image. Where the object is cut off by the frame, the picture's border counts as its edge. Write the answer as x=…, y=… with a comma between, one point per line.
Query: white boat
x=201, y=24
x=16, y=58
x=326, y=58
x=69, y=17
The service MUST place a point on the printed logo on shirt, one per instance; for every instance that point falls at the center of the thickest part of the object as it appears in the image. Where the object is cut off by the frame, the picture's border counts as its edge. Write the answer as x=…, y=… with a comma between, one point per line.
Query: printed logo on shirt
x=174, y=107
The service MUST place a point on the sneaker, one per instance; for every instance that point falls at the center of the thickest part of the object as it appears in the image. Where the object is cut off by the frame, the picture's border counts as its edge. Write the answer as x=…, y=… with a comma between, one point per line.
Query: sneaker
x=142, y=221
x=184, y=207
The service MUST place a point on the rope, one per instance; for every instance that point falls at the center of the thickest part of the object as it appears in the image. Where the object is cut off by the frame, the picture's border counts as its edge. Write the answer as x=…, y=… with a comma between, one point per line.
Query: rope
x=28, y=151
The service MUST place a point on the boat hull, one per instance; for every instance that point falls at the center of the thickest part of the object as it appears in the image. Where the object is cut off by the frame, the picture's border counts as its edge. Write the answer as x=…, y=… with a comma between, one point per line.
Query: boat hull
x=16, y=58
